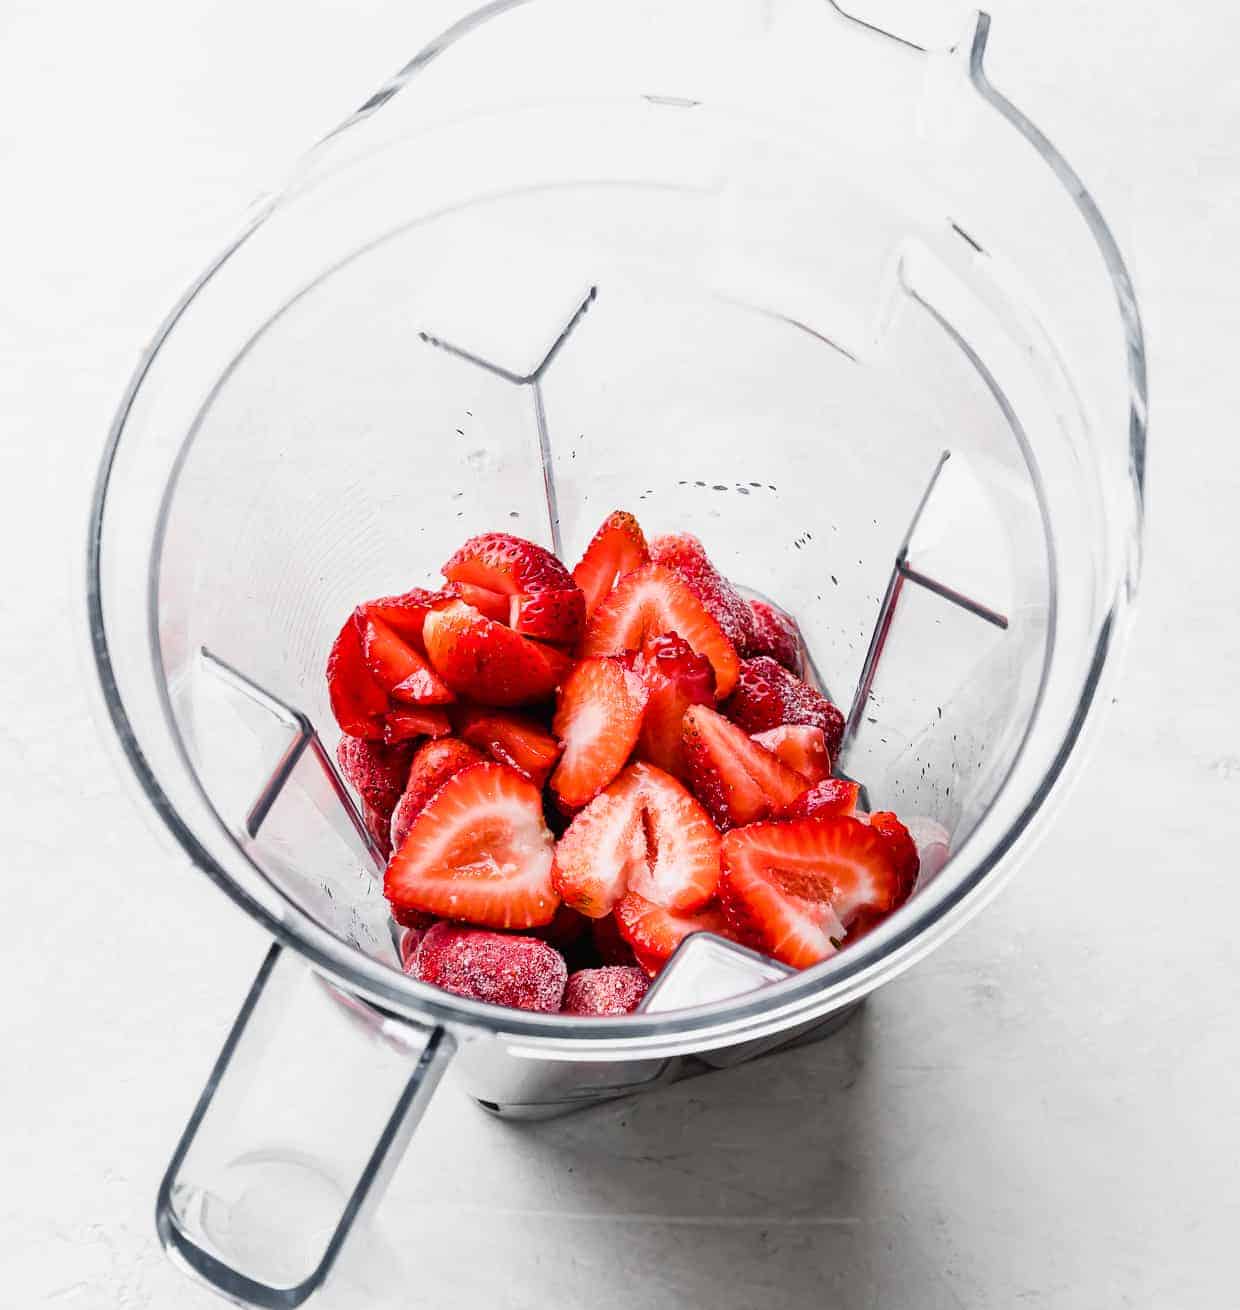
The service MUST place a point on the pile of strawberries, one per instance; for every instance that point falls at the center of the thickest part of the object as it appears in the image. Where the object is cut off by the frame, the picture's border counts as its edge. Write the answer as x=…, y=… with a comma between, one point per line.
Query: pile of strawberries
x=591, y=766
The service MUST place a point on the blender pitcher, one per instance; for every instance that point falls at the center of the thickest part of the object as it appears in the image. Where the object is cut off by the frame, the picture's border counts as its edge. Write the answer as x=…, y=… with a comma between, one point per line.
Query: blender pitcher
x=752, y=269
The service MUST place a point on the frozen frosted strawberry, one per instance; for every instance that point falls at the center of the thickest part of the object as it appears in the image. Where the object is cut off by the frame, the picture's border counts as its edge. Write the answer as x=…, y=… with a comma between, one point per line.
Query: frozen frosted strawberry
x=522, y=571
x=405, y=722
x=357, y=700
x=792, y=889
x=685, y=555
x=432, y=766
x=902, y=847
x=598, y=718
x=376, y=772
x=650, y=602
x=378, y=821
x=801, y=747
x=736, y=779
x=488, y=662
x=410, y=938
x=397, y=667
x=831, y=796
x=675, y=678
x=479, y=851
x=775, y=634
x=558, y=616
x=606, y=991
x=654, y=932
x=512, y=739
x=618, y=547
x=520, y=972
x=609, y=945
x=767, y=695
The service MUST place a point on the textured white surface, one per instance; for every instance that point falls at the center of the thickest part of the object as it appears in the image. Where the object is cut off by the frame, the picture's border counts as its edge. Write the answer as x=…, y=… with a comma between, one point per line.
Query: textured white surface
x=1045, y=1113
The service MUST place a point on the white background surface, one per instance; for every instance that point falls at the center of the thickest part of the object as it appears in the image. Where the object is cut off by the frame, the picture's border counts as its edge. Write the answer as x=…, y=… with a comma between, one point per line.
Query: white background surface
x=1045, y=1113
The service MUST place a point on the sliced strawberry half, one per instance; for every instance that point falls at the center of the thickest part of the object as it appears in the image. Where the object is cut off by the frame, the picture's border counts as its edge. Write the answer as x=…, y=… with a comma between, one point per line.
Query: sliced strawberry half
x=618, y=547
x=737, y=780
x=775, y=634
x=675, y=678
x=767, y=695
x=405, y=614
x=685, y=555
x=488, y=662
x=645, y=833
x=831, y=796
x=479, y=851
x=792, y=889
x=433, y=764
x=397, y=667
x=653, y=601
x=598, y=718
x=558, y=616
x=512, y=739
x=655, y=932
x=801, y=747
x=404, y=723
x=902, y=847
x=494, y=604
x=513, y=567
x=357, y=700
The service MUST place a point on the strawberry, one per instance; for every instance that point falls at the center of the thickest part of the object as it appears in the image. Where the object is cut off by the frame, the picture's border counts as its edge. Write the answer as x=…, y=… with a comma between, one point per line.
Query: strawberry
x=775, y=634
x=511, y=739
x=617, y=548
x=598, y=718
x=404, y=722
x=405, y=614
x=644, y=833
x=675, y=678
x=802, y=748
x=494, y=604
x=357, y=700
x=615, y=990
x=522, y=571
x=488, y=662
x=902, y=847
x=412, y=918
x=685, y=555
x=831, y=796
x=378, y=821
x=410, y=939
x=479, y=851
x=653, y=601
x=767, y=695
x=434, y=763
x=520, y=972
x=731, y=774
x=376, y=772
x=566, y=928
x=791, y=889
x=558, y=616
x=654, y=932
x=397, y=667
x=609, y=945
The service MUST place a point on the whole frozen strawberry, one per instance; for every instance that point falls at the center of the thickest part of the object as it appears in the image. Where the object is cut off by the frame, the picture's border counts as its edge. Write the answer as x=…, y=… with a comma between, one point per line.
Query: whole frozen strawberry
x=606, y=991
x=501, y=969
x=766, y=695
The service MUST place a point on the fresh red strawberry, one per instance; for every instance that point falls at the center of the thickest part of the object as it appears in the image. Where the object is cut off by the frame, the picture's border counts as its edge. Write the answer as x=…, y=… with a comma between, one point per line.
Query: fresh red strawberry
x=558, y=616
x=767, y=695
x=831, y=796
x=606, y=991
x=405, y=614
x=598, y=718
x=488, y=662
x=377, y=772
x=520, y=972
x=653, y=601
x=731, y=774
x=654, y=932
x=609, y=945
x=434, y=763
x=791, y=889
x=775, y=634
x=802, y=748
x=403, y=723
x=618, y=547
x=675, y=678
x=902, y=847
x=357, y=700
x=494, y=604
x=397, y=667
x=685, y=555
x=645, y=833
x=512, y=739
x=479, y=851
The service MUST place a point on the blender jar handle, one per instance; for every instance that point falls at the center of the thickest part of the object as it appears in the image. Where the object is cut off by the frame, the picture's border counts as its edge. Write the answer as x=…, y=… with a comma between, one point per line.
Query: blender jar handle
x=303, y=1119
